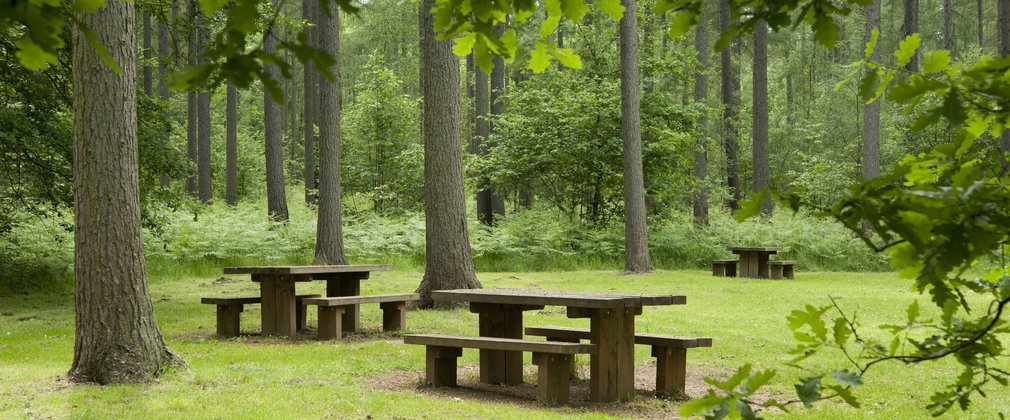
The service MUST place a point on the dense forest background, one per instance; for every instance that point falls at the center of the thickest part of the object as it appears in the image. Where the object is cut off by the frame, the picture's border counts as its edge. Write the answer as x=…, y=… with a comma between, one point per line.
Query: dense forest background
x=551, y=146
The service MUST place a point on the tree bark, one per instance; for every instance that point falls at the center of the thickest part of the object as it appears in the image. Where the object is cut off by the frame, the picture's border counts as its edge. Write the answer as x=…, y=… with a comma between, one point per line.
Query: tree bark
x=700, y=96
x=948, y=27
x=310, y=76
x=759, y=147
x=471, y=111
x=116, y=333
x=477, y=146
x=871, y=111
x=277, y=205
x=981, y=24
x=231, y=146
x=497, y=105
x=1003, y=28
x=729, y=134
x=636, y=235
x=148, y=55
x=448, y=262
x=911, y=26
x=164, y=73
x=203, y=124
x=191, y=103
x=329, y=230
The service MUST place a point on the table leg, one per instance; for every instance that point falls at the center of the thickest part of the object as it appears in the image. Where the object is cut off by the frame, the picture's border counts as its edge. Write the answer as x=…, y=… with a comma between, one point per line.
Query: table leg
x=278, y=305
x=504, y=321
x=336, y=286
x=748, y=264
x=762, y=265
x=612, y=368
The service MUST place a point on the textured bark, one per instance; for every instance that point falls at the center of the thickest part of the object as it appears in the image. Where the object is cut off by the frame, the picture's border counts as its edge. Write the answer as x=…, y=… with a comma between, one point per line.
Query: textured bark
x=729, y=132
x=310, y=76
x=148, y=56
x=759, y=147
x=329, y=230
x=636, y=235
x=871, y=111
x=700, y=96
x=164, y=73
x=203, y=122
x=191, y=102
x=1003, y=29
x=231, y=146
x=497, y=105
x=948, y=27
x=981, y=24
x=448, y=262
x=116, y=335
x=911, y=26
x=471, y=111
x=482, y=106
x=277, y=205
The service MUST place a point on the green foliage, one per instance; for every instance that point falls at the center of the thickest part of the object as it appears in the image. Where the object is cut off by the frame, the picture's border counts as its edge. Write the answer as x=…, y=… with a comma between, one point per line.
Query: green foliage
x=382, y=154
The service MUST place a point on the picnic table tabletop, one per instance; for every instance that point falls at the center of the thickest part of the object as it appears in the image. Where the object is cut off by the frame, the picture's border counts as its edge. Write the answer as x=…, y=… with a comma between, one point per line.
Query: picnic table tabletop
x=555, y=298
x=739, y=249
x=307, y=269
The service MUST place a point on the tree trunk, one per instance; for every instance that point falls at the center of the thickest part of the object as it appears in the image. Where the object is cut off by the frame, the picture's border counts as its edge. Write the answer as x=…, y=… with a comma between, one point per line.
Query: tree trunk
x=759, y=148
x=148, y=86
x=911, y=26
x=636, y=235
x=871, y=111
x=700, y=96
x=310, y=76
x=448, y=262
x=203, y=118
x=163, y=74
x=948, y=27
x=471, y=111
x=277, y=205
x=981, y=24
x=116, y=333
x=1003, y=28
x=497, y=105
x=729, y=134
x=329, y=230
x=231, y=146
x=477, y=146
x=191, y=103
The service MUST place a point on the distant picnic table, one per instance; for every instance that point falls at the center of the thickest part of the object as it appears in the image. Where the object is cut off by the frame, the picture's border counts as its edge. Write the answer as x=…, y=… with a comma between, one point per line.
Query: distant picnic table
x=754, y=260
x=277, y=291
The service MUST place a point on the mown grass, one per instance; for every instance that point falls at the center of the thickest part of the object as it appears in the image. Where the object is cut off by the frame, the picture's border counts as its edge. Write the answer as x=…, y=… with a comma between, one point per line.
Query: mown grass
x=275, y=378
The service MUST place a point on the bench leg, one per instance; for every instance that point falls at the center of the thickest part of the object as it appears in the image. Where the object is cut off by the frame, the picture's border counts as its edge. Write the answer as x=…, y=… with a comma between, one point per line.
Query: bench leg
x=228, y=320
x=776, y=272
x=671, y=371
x=394, y=315
x=718, y=270
x=330, y=320
x=553, y=377
x=300, y=316
x=440, y=366
x=788, y=271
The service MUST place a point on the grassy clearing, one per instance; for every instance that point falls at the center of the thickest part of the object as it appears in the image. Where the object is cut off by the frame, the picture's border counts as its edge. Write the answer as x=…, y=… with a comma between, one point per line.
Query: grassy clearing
x=274, y=378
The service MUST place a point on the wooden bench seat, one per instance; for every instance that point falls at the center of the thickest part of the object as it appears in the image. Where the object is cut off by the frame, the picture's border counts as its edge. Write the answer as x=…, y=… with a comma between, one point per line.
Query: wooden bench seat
x=724, y=268
x=780, y=269
x=670, y=353
x=229, y=310
x=331, y=310
x=553, y=359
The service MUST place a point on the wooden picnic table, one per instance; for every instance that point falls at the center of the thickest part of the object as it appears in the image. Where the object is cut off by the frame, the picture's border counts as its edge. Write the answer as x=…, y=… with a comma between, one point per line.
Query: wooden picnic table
x=754, y=260
x=612, y=330
x=277, y=290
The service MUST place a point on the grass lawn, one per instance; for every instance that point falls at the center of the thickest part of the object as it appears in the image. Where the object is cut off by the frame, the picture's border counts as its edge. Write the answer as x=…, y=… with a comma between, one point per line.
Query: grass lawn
x=376, y=375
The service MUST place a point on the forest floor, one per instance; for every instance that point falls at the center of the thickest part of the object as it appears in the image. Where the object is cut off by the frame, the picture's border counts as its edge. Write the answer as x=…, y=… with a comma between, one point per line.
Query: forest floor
x=374, y=375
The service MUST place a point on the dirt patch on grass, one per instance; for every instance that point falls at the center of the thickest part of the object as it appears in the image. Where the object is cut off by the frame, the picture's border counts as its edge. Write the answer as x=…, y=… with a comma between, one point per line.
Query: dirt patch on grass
x=470, y=388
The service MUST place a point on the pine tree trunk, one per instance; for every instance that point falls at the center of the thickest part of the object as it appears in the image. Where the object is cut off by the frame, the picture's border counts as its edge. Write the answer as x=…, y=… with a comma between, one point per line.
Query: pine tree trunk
x=497, y=105
x=759, y=148
x=482, y=101
x=981, y=24
x=203, y=124
x=231, y=146
x=700, y=96
x=310, y=76
x=329, y=229
x=116, y=333
x=164, y=73
x=191, y=103
x=636, y=235
x=148, y=82
x=471, y=111
x=948, y=27
x=871, y=111
x=448, y=262
x=729, y=134
x=1003, y=29
x=911, y=26
x=277, y=205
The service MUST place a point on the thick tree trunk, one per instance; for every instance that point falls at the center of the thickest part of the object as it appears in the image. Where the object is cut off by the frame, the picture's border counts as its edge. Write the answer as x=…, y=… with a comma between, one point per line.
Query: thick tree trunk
x=448, y=262
x=231, y=146
x=911, y=26
x=729, y=133
x=329, y=229
x=497, y=105
x=700, y=96
x=759, y=147
x=277, y=205
x=1003, y=29
x=116, y=334
x=636, y=235
x=310, y=76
